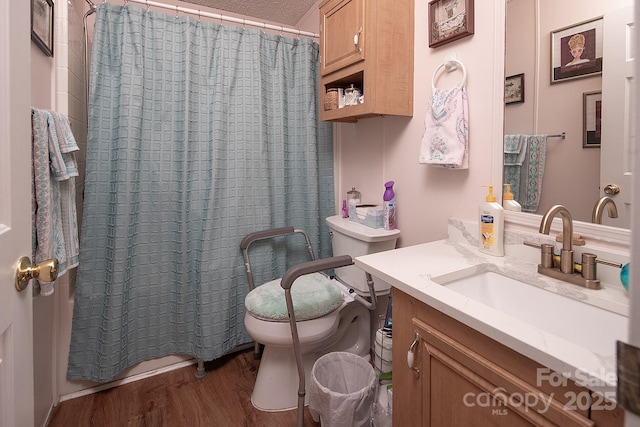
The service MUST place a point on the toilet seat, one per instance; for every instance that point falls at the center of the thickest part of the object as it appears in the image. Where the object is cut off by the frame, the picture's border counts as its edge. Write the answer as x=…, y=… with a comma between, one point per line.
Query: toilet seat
x=314, y=295
x=279, y=333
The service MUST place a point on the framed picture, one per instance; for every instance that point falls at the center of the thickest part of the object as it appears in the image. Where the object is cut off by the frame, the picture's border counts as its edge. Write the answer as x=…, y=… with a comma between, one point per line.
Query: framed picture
x=449, y=20
x=42, y=25
x=514, y=89
x=592, y=119
x=576, y=51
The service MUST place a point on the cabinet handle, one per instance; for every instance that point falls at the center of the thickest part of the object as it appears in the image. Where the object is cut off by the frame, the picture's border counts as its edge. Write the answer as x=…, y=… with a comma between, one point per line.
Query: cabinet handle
x=356, y=40
x=411, y=356
x=411, y=352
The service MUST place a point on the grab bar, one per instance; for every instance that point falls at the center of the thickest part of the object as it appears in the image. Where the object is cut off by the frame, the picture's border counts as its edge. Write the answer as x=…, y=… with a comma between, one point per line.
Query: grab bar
x=287, y=281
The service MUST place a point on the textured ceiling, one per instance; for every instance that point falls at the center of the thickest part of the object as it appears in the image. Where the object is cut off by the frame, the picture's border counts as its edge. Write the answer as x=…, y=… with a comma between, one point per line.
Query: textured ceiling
x=278, y=11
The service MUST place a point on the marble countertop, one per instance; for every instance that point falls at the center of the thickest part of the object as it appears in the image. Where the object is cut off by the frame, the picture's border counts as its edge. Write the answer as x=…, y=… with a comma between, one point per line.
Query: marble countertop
x=411, y=269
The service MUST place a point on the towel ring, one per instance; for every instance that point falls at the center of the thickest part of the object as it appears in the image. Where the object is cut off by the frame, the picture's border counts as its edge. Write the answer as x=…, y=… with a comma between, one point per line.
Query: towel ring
x=449, y=65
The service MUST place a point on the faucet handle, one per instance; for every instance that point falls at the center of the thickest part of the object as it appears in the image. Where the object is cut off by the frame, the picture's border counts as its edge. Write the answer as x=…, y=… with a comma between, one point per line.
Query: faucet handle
x=589, y=262
x=609, y=263
x=546, y=252
x=546, y=255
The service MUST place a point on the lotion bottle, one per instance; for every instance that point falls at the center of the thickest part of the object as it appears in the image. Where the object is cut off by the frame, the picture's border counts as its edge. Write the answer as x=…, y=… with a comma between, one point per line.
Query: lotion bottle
x=508, y=203
x=491, y=225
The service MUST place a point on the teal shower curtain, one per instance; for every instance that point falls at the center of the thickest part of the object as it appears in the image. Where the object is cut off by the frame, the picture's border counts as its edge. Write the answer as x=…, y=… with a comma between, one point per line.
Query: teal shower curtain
x=199, y=133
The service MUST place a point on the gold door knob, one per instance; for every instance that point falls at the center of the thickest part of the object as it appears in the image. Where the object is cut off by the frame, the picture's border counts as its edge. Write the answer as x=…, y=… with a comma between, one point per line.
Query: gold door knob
x=611, y=189
x=46, y=271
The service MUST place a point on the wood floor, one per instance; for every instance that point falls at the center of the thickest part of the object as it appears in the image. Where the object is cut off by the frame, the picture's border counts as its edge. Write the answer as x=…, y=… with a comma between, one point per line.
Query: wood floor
x=177, y=398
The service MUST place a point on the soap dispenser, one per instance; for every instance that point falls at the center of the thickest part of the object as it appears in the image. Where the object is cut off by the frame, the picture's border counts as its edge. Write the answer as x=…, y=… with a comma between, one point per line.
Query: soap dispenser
x=491, y=225
x=508, y=203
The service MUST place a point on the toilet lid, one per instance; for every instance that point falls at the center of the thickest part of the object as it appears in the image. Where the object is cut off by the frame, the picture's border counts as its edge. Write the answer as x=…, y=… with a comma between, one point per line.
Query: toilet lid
x=313, y=296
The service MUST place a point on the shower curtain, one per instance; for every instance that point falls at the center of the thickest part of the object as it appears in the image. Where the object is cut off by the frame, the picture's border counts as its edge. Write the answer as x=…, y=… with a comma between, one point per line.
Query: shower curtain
x=199, y=133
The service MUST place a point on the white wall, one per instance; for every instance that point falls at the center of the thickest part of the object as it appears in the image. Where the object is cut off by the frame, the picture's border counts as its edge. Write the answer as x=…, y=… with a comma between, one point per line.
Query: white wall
x=373, y=151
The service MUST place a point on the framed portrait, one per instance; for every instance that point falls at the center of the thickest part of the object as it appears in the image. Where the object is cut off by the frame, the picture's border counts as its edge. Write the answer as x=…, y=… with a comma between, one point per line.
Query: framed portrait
x=514, y=89
x=576, y=51
x=42, y=25
x=592, y=119
x=449, y=20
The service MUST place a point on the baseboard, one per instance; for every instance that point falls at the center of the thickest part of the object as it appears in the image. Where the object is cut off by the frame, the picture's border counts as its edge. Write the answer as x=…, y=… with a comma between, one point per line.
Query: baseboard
x=143, y=375
x=127, y=380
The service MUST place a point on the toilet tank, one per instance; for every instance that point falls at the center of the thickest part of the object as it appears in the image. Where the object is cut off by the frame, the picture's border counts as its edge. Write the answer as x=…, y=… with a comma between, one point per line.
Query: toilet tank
x=351, y=238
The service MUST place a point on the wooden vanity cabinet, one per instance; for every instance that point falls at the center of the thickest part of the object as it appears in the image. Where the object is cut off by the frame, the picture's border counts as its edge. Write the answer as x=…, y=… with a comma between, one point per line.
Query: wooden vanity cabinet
x=367, y=43
x=463, y=378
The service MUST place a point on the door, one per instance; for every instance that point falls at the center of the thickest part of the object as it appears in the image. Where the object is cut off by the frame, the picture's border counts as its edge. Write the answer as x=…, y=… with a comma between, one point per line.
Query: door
x=618, y=111
x=16, y=342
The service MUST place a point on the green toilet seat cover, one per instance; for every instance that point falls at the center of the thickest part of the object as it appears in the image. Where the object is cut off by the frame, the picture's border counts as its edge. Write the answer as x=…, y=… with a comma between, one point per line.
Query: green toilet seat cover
x=313, y=296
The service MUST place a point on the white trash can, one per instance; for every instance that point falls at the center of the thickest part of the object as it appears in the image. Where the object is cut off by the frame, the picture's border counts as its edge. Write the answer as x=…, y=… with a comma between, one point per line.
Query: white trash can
x=342, y=390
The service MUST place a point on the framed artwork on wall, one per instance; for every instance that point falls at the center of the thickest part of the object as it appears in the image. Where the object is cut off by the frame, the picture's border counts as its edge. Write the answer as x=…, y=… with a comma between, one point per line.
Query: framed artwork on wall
x=449, y=20
x=514, y=89
x=42, y=25
x=592, y=119
x=576, y=51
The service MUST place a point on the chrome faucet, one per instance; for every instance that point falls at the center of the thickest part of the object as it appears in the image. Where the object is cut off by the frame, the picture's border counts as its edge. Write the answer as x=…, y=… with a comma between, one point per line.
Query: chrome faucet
x=566, y=254
x=598, y=209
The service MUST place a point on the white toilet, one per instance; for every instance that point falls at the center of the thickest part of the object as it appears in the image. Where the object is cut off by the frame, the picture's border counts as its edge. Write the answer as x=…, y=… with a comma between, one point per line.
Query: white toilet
x=349, y=327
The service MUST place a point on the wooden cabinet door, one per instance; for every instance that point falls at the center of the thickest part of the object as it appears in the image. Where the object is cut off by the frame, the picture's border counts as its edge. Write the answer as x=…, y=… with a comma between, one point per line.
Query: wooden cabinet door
x=463, y=388
x=342, y=34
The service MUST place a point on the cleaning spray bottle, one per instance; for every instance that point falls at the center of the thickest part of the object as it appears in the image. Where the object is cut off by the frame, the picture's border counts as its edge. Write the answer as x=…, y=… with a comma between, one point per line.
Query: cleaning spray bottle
x=491, y=224
x=389, y=206
x=508, y=203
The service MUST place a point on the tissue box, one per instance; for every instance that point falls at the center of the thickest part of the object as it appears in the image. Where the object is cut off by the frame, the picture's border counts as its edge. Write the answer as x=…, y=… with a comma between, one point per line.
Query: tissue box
x=367, y=214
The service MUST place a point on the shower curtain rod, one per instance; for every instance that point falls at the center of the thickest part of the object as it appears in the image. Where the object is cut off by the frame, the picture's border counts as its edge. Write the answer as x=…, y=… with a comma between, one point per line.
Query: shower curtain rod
x=218, y=16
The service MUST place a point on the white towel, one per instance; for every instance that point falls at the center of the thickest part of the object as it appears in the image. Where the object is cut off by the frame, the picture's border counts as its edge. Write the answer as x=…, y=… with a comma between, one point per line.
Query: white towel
x=445, y=142
x=54, y=218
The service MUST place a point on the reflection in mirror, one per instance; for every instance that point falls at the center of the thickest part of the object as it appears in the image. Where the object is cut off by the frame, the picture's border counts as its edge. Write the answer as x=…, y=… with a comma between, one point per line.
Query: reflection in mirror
x=573, y=171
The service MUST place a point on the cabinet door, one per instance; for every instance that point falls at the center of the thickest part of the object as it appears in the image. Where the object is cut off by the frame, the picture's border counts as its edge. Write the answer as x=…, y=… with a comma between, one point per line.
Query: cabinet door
x=462, y=388
x=342, y=34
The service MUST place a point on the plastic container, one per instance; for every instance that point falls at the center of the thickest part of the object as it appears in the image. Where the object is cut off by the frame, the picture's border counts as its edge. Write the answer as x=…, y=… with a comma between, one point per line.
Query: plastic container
x=389, y=206
x=331, y=99
x=345, y=210
x=366, y=214
x=351, y=96
x=353, y=198
x=508, y=203
x=624, y=276
x=383, y=349
x=491, y=225
x=342, y=390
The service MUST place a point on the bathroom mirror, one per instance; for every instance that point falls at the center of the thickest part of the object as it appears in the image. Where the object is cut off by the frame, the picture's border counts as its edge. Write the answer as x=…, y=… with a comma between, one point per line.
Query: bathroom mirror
x=575, y=173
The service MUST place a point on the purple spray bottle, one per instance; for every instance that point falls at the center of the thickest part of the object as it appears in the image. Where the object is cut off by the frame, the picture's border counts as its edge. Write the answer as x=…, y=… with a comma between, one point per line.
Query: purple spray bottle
x=389, y=205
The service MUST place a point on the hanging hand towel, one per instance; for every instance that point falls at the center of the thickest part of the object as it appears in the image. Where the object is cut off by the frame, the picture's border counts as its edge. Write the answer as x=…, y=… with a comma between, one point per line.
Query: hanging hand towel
x=64, y=169
x=54, y=219
x=515, y=151
x=62, y=146
x=533, y=172
x=446, y=138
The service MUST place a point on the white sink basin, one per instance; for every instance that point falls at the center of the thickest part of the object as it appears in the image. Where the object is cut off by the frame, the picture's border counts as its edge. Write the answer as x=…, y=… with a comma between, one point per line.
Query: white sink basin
x=590, y=327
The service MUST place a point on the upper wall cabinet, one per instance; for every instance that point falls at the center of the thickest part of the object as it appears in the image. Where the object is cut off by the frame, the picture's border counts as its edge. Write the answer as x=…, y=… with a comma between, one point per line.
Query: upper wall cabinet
x=367, y=44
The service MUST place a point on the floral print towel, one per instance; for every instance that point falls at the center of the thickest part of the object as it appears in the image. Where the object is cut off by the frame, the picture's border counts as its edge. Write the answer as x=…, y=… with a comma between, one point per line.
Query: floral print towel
x=446, y=137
